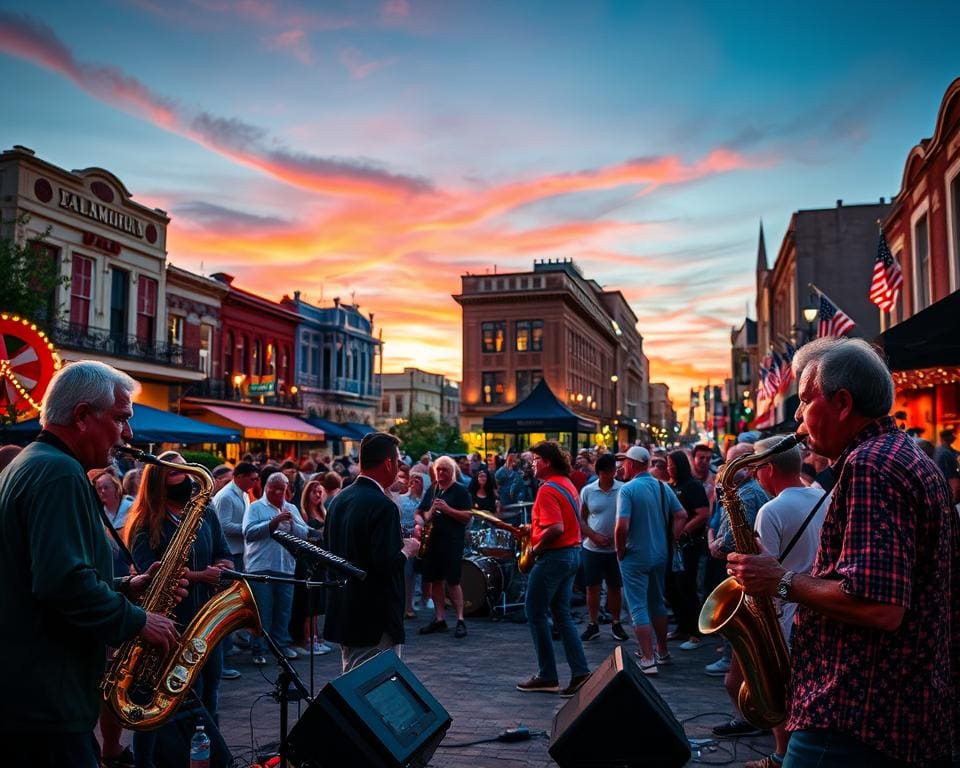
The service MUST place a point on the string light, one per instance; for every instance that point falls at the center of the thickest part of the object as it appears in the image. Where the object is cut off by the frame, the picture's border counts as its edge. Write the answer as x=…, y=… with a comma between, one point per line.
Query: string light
x=925, y=378
x=6, y=370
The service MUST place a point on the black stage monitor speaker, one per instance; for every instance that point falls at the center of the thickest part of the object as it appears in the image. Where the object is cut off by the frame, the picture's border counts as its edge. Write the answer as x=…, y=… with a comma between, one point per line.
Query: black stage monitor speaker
x=618, y=720
x=378, y=715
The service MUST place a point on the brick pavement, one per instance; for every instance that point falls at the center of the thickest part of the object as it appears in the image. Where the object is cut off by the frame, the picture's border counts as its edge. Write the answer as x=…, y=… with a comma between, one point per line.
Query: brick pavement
x=474, y=679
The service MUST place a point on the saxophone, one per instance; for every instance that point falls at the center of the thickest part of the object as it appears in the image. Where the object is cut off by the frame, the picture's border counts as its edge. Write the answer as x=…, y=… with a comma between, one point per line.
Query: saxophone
x=427, y=531
x=141, y=687
x=525, y=559
x=750, y=624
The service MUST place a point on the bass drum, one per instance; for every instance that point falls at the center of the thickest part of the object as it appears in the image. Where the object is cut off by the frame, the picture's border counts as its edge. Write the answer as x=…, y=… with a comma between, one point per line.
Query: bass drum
x=482, y=583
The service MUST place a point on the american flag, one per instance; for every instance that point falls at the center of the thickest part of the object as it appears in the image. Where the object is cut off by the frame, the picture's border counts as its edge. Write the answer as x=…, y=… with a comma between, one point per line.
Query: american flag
x=786, y=372
x=833, y=320
x=887, y=277
x=773, y=374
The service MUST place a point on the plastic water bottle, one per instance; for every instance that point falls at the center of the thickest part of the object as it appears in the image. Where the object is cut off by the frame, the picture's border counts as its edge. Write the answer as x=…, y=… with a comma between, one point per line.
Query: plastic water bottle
x=200, y=749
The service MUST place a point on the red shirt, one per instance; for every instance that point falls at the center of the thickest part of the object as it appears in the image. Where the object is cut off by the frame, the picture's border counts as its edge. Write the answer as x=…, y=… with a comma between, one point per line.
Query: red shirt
x=552, y=506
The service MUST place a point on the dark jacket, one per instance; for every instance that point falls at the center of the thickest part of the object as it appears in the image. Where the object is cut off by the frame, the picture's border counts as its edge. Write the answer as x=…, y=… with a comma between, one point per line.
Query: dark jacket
x=57, y=600
x=363, y=526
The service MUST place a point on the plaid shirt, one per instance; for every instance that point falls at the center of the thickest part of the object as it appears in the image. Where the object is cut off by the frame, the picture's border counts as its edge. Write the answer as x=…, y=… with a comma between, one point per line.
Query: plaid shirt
x=890, y=535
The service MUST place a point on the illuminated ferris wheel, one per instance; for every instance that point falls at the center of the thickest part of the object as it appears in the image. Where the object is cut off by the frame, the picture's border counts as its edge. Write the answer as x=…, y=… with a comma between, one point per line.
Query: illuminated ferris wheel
x=28, y=361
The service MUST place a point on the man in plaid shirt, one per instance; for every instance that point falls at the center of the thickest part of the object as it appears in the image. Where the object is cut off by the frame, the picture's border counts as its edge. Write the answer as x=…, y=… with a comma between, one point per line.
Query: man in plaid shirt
x=876, y=639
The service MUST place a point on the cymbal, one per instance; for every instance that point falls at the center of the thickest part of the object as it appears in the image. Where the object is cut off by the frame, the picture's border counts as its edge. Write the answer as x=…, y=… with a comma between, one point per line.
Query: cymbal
x=517, y=505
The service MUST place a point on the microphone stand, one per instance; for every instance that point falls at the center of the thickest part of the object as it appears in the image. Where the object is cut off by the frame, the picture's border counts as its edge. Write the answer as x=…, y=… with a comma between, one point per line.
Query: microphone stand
x=288, y=675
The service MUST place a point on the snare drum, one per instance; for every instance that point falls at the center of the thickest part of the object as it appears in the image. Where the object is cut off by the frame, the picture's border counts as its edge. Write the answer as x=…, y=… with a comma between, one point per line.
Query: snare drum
x=482, y=581
x=495, y=542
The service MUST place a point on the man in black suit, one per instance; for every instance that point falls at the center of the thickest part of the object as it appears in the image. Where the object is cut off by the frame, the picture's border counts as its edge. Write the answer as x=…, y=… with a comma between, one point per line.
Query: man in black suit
x=363, y=526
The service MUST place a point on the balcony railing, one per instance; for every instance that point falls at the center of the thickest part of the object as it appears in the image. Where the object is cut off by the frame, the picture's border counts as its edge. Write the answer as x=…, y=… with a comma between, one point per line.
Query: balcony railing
x=220, y=389
x=82, y=337
x=343, y=385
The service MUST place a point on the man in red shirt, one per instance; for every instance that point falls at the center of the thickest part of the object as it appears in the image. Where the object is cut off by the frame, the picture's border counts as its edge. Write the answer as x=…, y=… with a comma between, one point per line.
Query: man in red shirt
x=555, y=540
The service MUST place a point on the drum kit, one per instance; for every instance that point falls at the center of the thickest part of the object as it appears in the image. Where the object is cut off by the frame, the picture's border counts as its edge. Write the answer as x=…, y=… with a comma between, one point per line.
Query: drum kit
x=490, y=576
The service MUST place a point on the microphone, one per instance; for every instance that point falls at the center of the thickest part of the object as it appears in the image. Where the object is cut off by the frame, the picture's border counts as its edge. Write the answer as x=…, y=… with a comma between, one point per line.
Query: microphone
x=302, y=548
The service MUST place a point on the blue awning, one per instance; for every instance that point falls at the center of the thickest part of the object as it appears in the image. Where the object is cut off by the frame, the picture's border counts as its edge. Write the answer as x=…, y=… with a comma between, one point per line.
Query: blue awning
x=151, y=425
x=359, y=430
x=331, y=430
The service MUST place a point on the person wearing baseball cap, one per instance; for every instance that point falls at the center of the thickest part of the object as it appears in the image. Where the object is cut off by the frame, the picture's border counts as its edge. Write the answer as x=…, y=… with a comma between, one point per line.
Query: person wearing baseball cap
x=645, y=507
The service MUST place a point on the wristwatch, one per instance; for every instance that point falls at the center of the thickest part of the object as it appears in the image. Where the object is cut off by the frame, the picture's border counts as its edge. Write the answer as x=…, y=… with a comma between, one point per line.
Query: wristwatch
x=783, y=588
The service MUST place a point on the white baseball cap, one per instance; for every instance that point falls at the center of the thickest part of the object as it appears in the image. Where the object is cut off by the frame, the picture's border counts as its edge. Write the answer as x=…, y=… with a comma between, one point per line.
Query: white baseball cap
x=636, y=453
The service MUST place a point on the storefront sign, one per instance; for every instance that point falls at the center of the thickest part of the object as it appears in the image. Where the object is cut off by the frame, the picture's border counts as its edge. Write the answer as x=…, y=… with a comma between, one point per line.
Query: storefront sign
x=261, y=385
x=101, y=213
x=103, y=243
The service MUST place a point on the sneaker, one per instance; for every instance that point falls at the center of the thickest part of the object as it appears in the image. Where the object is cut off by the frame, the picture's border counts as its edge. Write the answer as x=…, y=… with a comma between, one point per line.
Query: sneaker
x=537, y=685
x=618, y=632
x=289, y=653
x=664, y=659
x=434, y=626
x=718, y=669
x=122, y=759
x=317, y=649
x=592, y=632
x=736, y=728
x=576, y=683
x=770, y=761
x=461, y=630
x=691, y=645
x=259, y=661
x=647, y=666
x=229, y=674
x=674, y=634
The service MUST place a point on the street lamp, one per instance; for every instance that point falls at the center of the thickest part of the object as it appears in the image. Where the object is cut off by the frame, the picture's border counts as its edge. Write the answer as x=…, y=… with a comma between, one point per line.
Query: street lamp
x=810, y=313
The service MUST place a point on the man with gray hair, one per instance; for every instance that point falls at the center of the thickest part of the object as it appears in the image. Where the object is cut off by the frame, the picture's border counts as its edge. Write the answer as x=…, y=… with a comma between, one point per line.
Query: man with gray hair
x=262, y=555
x=875, y=647
x=57, y=588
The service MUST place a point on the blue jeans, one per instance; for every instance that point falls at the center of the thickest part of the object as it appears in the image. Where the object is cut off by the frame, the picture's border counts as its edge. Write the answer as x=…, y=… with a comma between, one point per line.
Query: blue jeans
x=548, y=589
x=275, y=603
x=824, y=748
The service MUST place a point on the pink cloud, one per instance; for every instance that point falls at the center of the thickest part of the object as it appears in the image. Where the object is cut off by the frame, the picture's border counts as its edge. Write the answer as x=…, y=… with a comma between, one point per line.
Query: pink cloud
x=359, y=67
x=292, y=42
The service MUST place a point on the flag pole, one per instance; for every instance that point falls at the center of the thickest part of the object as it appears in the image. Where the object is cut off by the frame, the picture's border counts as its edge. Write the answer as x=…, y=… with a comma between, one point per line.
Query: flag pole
x=822, y=293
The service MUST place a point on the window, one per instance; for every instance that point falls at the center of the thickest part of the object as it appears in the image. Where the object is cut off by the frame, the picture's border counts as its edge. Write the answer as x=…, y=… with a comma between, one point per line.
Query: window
x=494, y=336
x=119, y=301
x=921, y=261
x=256, y=360
x=175, y=330
x=492, y=382
x=398, y=404
x=146, y=309
x=43, y=252
x=529, y=335
x=526, y=381
x=228, y=353
x=206, y=347
x=81, y=289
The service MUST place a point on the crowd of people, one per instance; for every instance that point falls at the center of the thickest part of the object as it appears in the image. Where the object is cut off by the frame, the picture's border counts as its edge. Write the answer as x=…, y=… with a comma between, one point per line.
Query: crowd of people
x=858, y=548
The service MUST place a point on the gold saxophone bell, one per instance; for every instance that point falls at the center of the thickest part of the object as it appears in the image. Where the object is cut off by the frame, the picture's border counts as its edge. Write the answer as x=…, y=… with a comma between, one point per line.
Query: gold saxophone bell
x=750, y=624
x=141, y=687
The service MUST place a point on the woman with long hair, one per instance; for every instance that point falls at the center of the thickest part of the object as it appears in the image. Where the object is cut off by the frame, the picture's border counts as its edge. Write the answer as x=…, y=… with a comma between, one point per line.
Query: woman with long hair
x=483, y=491
x=154, y=517
x=681, y=587
x=309, y=604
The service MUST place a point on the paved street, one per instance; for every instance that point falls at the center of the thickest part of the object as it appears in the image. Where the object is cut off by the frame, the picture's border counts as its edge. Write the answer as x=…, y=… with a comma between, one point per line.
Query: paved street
x=474, y=679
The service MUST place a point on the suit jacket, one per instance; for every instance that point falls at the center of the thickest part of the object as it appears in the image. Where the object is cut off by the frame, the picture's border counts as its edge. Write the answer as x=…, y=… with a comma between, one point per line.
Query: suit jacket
x=363, y=526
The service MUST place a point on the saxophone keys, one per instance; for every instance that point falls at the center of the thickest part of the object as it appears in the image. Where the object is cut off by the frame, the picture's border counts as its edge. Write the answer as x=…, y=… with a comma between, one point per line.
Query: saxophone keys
x=194, y=651
x=177, y=679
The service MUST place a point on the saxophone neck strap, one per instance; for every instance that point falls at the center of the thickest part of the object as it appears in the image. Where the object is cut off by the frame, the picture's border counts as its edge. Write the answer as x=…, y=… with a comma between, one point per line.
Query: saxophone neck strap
x=802, y=528
x=127, y=555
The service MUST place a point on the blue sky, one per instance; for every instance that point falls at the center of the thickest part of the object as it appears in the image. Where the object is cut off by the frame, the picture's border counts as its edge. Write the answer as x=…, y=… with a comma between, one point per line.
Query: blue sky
x=387, y=147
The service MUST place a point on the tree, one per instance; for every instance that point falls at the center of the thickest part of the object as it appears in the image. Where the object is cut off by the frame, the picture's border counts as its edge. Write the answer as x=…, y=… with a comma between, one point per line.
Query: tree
x=29, y=273
x=421, y=433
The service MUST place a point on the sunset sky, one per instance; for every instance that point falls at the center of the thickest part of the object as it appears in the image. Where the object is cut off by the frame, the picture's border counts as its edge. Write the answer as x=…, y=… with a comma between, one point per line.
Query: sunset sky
x=383, y=149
